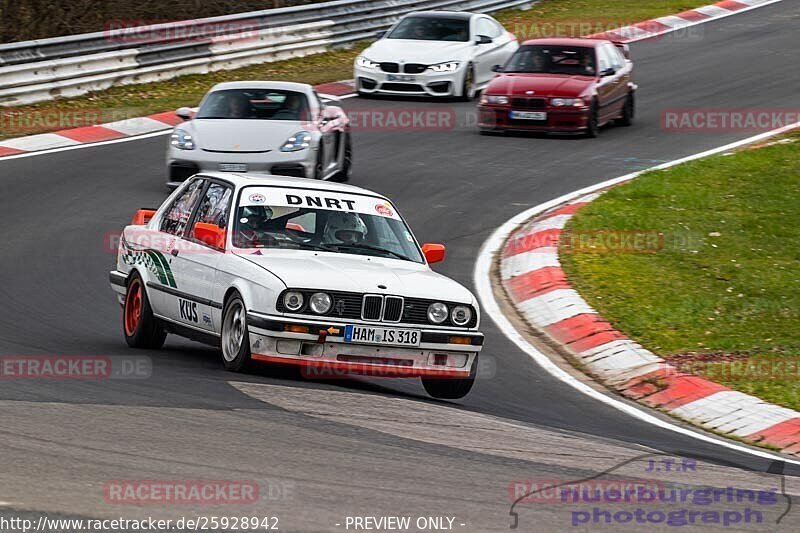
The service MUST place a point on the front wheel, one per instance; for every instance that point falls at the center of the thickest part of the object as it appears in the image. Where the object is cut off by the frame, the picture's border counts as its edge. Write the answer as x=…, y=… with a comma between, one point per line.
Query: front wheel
x=235, y=338
x=451, y=389
x=593, y=128
x=141, y=328
x=468, y=85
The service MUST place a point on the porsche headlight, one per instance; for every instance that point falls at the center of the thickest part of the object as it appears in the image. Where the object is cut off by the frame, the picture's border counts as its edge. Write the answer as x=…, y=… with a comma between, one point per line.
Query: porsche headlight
x=293, y=301
x=494, y=99
x=363, y=62
x=566, y=102
x=320, y=303
x=437, y=312
x=182, y=140
x=299, y=141
x=461, y=315
x=450, y=66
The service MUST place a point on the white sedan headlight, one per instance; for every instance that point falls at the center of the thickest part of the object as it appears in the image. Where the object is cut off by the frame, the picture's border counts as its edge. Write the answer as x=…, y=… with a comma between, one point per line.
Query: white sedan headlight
x=293, y=301
x=299, y=141
x=182, y=140
x=363, y=62
x=437, y=312
x=566, y=102
x=320, y=303
x=450, y=66
x=461, y=315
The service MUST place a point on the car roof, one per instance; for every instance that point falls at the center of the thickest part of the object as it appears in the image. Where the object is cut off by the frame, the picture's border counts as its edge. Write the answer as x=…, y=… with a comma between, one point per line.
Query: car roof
x=269, y=180
x=462, y=15
x=588, y=43
x=278, y=85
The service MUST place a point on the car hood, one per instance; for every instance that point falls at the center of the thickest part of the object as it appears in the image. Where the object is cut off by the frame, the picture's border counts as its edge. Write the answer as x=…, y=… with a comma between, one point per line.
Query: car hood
x=232, y=135
x=413, y=51
x=542, y=84
x=357, y=273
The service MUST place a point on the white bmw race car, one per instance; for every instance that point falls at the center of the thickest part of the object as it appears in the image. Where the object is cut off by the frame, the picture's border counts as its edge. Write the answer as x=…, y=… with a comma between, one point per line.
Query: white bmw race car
x=271, y=127
x=284, y=270
x=434, y=53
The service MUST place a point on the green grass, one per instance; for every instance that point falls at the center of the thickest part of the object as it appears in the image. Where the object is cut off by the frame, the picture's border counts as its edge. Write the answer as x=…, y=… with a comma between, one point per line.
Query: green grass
x=128, y=101
x=725, y=287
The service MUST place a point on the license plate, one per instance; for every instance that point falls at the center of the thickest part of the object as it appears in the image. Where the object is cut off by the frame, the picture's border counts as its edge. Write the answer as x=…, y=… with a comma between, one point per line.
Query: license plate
x=395, y=77
x=528, y=115
x=232, y=167
x=391, y=336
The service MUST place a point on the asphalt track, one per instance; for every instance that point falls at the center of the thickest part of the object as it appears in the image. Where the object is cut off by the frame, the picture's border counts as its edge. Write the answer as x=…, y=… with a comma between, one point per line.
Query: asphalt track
x=350, y=447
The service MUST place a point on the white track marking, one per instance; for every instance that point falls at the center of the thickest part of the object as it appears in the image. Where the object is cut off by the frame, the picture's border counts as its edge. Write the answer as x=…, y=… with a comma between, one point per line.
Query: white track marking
x=491, y=308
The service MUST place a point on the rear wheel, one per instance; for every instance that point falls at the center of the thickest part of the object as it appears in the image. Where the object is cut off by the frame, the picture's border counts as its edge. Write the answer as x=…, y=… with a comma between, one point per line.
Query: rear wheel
x=451, y=389
x=235, y=338
x=141, y=328
x=628, y=111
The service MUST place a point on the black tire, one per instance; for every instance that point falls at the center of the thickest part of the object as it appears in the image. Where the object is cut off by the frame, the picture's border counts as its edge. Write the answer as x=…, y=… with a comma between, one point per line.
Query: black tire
x=362, y=94
x=347, y=160
x=628, y=111
x=593, y=128
x=235, y=337
x=451, y=389
x=140, y=327
x=467, y=84
x=318, y=164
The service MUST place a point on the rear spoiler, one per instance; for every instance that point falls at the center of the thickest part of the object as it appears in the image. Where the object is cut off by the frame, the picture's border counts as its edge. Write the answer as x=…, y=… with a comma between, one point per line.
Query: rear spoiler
x=626, y=50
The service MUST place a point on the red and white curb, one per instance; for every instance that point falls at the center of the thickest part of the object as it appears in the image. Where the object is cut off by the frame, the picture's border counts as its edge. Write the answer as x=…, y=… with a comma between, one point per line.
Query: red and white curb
x=663, y=25
x=121, y=129
x=539, y=289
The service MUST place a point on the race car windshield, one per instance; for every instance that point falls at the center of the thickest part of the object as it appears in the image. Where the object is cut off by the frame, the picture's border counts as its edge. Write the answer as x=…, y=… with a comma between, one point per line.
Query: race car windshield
x=431, y=29
x=254, y=104
x=570, y=60
x=303, y=221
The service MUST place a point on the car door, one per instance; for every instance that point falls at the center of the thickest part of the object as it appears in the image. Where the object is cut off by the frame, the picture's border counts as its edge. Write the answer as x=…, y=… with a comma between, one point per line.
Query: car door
x=606, y=85
x=195, y=303
x=614, y=85
x=492, y=53
x=171, y=227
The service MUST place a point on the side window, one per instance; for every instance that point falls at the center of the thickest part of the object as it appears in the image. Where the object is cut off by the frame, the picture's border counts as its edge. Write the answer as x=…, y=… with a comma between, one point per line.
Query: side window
x=617, y=61
x=497, y=29
x=484, y=27
x=603, y=61
x=177, y=216
x=212, y=216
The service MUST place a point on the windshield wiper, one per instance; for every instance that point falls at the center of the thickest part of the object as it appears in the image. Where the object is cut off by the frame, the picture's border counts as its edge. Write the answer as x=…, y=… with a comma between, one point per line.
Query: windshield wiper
x=361, y=246
x=310, y=246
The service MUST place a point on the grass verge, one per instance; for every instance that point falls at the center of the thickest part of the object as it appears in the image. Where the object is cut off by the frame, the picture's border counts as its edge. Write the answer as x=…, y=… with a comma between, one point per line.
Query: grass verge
x=129, y=101
x=720, y=294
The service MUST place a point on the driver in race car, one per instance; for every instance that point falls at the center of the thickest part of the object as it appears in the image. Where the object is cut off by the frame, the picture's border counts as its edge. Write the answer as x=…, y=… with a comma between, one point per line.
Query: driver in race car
x=344, y=228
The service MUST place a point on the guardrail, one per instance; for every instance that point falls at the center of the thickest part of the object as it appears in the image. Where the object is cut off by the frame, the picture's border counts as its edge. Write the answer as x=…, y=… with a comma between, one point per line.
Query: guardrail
x=43, y=69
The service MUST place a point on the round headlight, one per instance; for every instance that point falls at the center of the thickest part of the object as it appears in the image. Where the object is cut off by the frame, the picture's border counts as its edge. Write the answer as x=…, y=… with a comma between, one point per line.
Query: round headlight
x=461, y=315
x=320, y=303
x=293, y=300
x=437, y=313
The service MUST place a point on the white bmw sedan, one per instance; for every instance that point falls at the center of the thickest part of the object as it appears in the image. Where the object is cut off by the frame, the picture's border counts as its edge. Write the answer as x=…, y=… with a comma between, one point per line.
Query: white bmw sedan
x=262, y=126
x=281, y=270
x=435, y=53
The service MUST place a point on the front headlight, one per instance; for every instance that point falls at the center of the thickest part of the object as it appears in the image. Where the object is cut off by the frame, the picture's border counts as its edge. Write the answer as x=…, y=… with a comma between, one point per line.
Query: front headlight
x=493, y=99
x=363, y=62
x=181, y=140
x=299, y=141
x=293, y=300
x=461, y=315
x=320, y=303
x=437, y=312
x=450, y=66
x=566, y=102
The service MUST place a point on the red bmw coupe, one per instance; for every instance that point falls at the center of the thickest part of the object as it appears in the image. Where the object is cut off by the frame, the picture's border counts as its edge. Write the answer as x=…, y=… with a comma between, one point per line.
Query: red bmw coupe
x=560, y=85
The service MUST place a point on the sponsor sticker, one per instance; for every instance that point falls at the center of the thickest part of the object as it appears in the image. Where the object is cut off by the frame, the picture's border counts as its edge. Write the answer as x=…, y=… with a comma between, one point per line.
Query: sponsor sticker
x=384, y=210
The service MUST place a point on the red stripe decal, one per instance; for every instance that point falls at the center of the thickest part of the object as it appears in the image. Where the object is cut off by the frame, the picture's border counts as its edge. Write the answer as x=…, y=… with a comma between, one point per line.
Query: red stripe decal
x=336, y=88
x=9, y=151
x=693, y=16
x=526, y=242
x=536, y=283
x=669, y=389
x=731, y=5
x=568, y=209
x=780, y=435
x=583, y=332
x=167, y=117
x=90, y=134
x=652, y=26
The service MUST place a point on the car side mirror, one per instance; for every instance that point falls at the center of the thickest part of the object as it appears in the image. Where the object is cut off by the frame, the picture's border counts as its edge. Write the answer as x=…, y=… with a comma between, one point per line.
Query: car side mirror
x=210, y=234
x=497, y=68
x=610, y=71
x=380, y=34
x=483, y=39
x=142, y=217
x=434, y=253
x=184, y=112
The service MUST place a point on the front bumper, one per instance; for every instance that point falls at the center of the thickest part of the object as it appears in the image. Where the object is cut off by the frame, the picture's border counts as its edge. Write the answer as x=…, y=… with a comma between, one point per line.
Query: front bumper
x=324, y=354
x=559, y=119
x=428, y=83
x=182, y=164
